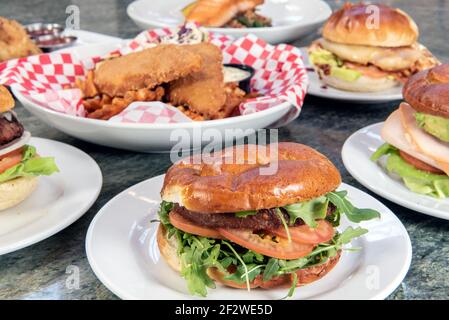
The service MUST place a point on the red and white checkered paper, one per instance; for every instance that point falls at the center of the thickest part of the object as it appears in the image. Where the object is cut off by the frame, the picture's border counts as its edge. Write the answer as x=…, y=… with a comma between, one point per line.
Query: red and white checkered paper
x=280, y=76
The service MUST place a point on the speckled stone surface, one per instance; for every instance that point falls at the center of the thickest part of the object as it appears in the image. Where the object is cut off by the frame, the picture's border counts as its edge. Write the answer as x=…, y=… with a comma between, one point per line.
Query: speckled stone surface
x=39, y=271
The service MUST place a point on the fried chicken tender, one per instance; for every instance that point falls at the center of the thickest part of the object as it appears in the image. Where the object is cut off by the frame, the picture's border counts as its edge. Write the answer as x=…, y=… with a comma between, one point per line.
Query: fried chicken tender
x=14, y=41
x=145, y=69
x=204, y=91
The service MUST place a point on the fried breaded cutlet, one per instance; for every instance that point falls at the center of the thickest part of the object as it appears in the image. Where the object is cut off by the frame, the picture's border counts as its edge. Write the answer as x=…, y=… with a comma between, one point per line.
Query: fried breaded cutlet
x=14, y=41
x=145, y=69
x=204, y=91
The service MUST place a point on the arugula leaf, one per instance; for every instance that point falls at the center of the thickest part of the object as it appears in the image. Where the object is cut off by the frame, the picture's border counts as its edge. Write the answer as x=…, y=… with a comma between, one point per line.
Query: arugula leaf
x=284, y=224
x=350, y=233
x=292, y=290
x=192, y=266
x=295, y=264
x=226, y=262
x=308, y=211
x=251, y=256
x=164, y=210
x=241, y=261
x=354, y=214
x=244, y=214
x=271, y=269
x=30, y=166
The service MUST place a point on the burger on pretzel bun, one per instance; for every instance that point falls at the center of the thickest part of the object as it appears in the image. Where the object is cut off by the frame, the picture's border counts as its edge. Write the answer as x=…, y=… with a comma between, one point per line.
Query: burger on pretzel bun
x=417, y=134
x=226, y=218
x=19, y=164
x=368, y=48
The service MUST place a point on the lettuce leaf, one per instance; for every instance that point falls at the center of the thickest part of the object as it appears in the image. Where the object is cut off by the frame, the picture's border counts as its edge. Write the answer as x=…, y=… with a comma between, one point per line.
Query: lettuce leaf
x=325, y=57
x=416, y=180
x=422, y=182
x=30, y=166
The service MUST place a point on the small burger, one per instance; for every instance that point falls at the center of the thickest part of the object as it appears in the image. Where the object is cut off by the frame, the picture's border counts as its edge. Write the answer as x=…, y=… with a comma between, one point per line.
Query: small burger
x=368, y=48
x=19, y=163
x=230, y=222
x=417, y=134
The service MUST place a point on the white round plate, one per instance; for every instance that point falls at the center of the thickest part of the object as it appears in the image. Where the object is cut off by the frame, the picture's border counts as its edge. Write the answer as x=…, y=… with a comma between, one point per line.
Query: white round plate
x=156, y=137
x=319, y=89
x=122, y=251
x=356, y=154
x=59, y=200
x=291, y=19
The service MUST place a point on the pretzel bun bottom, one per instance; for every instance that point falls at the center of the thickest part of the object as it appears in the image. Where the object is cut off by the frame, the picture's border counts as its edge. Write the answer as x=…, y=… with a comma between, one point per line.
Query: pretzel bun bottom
x=168, y=249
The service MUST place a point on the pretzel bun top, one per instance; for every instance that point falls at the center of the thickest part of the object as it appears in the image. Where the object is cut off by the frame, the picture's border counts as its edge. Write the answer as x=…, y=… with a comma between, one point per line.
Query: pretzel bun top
x=6, y=100
x=244, y=178
x=428, y=91
x=356, y=24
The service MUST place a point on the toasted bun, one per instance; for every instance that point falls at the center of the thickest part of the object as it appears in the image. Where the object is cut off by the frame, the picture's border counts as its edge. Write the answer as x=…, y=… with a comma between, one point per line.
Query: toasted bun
x=428, y=91
x=6, y=100
x=353, y=24
x=15, y=191
x=168, y=249
x=228, y=181
x=362, y=84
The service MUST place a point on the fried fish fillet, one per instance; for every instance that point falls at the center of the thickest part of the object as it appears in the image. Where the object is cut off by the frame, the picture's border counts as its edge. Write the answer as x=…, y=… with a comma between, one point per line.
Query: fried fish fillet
x=145, y=69
x=14, y=41
x=204, y=91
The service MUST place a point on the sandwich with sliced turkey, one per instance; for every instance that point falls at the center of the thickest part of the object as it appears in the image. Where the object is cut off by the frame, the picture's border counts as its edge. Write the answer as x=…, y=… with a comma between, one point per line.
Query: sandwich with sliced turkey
x=417, y=134
x=225, y=220
x=20, y=166
x=368, y=48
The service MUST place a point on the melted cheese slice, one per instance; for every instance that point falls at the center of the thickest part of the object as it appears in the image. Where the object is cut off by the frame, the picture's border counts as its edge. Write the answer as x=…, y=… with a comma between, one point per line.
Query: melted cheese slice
x=394, y=133
x=425, y=143
x=388, y=59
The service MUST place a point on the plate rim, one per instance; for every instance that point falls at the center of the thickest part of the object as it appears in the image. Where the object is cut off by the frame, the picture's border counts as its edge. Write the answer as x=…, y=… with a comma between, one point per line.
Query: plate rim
x=327, y=13
x=399, y=201
x=389, y=289
x=43, y=235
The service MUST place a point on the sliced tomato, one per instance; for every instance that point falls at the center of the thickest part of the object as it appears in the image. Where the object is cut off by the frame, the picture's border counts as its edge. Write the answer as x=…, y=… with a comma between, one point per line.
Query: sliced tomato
x=280, y=249
x=324, y=232
x=185, y=225
x=11, y=159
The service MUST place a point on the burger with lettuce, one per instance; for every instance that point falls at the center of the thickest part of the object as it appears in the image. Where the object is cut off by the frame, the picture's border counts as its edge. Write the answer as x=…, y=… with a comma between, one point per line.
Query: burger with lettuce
x=368, y=48
x=417, y=134
x=20, y=165
x=224, y=220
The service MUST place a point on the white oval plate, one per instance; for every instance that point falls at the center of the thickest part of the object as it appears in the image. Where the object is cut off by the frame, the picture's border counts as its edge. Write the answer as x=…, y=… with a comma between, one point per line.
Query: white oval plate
x=58, y=201
x=319, y=89
x=122, y=251
x=356, y=152
x=156, y=137
x=292, y=19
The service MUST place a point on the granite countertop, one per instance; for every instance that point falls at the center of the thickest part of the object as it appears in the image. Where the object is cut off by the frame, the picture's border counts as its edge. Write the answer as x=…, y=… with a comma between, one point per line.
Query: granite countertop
x=39, y=271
